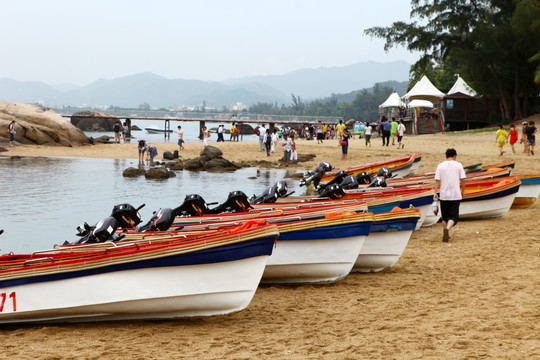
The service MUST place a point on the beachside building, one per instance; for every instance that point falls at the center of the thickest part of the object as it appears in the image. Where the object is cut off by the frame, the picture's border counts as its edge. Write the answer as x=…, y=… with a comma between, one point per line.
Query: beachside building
x=463, y=108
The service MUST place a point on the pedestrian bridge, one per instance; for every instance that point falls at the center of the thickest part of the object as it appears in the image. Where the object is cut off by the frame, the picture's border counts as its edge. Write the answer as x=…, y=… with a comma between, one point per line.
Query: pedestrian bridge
x=202, y=117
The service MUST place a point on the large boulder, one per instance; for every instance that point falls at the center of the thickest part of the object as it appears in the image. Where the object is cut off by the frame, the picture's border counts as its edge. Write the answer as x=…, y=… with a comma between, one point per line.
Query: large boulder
x=167, y=155
x=219, y=164
x=34, y=125
x=159, y=173
x=194, y=164
x=133, y=172
x=93, y=124
x=211, y=152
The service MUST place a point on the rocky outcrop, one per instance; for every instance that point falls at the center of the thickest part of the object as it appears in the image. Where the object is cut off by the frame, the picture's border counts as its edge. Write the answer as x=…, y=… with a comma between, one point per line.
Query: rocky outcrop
x=34, y=125
x=167, y=155
x=210, y=159
x=92, y=124
x=153, y=173
x=159, y=173
x=133, y=172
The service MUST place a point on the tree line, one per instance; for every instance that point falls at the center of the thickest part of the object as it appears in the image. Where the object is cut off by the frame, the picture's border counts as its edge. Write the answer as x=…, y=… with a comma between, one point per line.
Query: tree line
x=364, y=107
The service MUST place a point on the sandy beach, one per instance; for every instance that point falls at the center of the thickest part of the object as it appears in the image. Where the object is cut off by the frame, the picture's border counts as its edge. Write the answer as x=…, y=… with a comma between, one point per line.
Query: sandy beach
x=475, y=297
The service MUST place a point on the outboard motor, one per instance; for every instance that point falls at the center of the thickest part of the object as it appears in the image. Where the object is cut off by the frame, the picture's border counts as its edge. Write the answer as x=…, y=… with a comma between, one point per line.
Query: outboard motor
x=349, y=182
x=382, y=175
x=363, y=178
x=237, y=201
x=126, y=215
x=384, y=172
x=103, y=231
x=333, y=192
x=271, y=194
x=316, y=175
x=122, y=216
x=338, y=178
x=193, y=205
x=379, y=181
x=162, y=220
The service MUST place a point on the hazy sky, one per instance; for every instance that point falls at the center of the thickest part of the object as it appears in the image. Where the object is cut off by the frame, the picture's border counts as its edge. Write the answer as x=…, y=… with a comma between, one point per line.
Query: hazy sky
x=80, y=41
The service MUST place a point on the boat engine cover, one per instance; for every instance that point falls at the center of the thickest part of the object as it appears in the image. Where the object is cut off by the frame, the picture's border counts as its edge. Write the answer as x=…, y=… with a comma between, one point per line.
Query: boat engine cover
x=333, y=192
x=126, y=215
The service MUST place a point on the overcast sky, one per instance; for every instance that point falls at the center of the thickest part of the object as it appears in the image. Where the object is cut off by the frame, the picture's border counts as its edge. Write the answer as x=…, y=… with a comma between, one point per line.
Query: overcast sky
x=80, y=41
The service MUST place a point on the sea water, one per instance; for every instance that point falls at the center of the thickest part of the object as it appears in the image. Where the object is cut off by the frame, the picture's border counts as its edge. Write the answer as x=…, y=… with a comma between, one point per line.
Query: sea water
x=190, y=129
x=43, y=200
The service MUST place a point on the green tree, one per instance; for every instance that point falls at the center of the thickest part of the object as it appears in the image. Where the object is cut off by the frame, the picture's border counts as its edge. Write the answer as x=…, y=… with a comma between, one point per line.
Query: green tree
x=489, y=42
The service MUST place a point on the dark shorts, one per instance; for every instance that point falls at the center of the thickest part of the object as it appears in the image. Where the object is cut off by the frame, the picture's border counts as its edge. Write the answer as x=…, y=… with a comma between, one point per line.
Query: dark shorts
x=180, y=142
x=450, y=210
x=11, y=136
x=320, y=136
x=287, y=155
x=399, y=138
x=531, y=142
x=344, y=148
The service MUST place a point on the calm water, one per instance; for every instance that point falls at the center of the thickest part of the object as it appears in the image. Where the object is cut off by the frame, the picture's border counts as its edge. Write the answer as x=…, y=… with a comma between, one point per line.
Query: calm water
x=191, y=132
x=43, y=200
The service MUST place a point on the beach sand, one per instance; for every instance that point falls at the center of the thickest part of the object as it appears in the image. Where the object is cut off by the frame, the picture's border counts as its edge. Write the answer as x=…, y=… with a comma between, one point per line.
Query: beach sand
x=475, y=297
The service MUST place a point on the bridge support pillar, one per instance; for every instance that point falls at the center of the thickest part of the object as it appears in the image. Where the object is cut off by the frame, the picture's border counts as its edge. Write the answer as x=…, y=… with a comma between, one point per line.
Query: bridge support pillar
x=201, y=126
x=128, y=124
x=167, y=128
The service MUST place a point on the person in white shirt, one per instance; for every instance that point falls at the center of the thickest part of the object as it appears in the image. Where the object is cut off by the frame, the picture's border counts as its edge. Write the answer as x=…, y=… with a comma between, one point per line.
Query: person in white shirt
x=294, y=154
x=286, y=143
x=220, y=130
x=450, y=182
x=262, y=132
x=400, y=133
x=367, y=134
x=275, y=139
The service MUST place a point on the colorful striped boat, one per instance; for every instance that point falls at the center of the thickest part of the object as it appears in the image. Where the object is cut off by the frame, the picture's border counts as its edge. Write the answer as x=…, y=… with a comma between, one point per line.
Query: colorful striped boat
x=187, y=276
x=387, y=239
x=399, y=167
x=528, y=191
x=307, y=251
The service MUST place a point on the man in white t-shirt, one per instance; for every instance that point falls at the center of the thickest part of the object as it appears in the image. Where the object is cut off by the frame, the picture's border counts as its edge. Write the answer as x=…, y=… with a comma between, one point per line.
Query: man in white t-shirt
x=262, y=132
x=450, y=180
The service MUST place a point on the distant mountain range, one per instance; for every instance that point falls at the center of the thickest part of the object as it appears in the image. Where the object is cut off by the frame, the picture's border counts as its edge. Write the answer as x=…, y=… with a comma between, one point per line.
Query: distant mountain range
x=132, y=90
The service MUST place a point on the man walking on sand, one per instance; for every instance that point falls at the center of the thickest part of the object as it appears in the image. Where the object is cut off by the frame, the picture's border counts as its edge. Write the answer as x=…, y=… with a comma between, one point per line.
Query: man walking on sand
x=450, y=180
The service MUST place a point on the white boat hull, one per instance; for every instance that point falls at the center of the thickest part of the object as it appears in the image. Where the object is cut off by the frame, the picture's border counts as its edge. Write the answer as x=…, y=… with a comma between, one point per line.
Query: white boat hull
x=149, y=293
x=312, y=261
x=381, y=250
x=486, y=209
x=526, y=195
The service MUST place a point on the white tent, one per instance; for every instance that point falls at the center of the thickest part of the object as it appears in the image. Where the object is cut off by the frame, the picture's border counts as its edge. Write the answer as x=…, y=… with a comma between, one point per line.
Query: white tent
x=421, y=103
x=461, y=87
x=393, y=101
x=424, y=90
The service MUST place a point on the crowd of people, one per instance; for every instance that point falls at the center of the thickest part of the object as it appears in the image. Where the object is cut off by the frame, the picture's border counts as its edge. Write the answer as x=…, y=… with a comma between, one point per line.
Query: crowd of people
x=387, y=129
x=527, y=138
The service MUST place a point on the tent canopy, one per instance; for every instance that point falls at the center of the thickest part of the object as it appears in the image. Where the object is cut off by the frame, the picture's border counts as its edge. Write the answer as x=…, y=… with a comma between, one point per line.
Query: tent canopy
x=421, y=103
x=462, y=88
x=424, y=90
x=393, y=101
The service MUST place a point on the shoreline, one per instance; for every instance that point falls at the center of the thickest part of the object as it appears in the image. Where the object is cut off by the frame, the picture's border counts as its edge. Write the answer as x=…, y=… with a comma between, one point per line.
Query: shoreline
x=471, y=149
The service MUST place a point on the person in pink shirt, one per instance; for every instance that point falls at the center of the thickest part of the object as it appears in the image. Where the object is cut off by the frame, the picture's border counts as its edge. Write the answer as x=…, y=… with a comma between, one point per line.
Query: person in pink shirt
x=449, y=189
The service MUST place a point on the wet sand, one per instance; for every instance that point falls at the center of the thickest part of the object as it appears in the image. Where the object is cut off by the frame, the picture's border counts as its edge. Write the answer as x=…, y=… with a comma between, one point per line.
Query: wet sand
x=476, y=297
